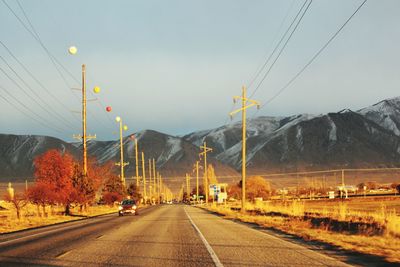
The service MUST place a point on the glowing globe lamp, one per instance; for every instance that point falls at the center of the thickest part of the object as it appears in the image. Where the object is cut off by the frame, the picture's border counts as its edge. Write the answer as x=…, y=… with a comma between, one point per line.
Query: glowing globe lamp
x=72, y=50
x=96, y=89
x=125, y=128
x=118, y=119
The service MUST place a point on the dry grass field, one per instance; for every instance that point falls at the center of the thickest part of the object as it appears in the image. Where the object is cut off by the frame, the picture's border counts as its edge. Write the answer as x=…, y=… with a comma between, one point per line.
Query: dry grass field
x=32, y=217
x=370, y=226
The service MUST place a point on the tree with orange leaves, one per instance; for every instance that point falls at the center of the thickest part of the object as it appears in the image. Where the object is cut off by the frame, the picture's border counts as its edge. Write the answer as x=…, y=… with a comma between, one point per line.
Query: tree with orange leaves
x=54, y=171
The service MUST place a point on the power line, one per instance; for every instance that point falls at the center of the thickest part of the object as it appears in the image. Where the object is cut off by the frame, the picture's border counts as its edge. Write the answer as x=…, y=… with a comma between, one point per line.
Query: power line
x=315, y=56
x=27, y=114
x=284, y=46
x=59, y=63
x=53, y=59
x=44, y=122
x=54, y=113
x=35, y=79
x=260, y=68
x=23, y=90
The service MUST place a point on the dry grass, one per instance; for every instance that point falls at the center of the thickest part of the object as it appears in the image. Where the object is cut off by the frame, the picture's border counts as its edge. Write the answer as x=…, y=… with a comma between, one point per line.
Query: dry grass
x=31, y=219
x=290, y=218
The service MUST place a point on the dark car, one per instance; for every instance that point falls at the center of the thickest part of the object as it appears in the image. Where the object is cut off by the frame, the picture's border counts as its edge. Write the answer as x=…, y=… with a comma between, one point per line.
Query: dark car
x=127, y=206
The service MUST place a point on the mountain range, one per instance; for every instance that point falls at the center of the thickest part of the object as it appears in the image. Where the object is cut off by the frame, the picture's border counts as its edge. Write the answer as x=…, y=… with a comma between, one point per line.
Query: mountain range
x=369, y=137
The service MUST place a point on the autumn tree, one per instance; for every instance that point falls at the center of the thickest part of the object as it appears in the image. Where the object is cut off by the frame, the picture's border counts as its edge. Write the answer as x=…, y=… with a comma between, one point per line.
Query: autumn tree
x=234, y=190
x=257, y=186
x=212, y=178
x=19, y=201
x=41, y=195
x=133, y=192
x=55, y=170
x=113, y=189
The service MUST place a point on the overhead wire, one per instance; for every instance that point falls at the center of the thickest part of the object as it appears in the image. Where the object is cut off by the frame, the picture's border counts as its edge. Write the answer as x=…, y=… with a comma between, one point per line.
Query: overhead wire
x=280, y=91
x=284, y=45
x=41, y=85
x=56, y=63
x=62, y=66
x=260, y=68
x=28, y=95
x=42, y=120
x=48, y=108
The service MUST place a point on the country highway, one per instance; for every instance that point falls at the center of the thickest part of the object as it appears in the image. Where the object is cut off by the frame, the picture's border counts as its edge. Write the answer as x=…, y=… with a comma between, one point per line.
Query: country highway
x=165, y=235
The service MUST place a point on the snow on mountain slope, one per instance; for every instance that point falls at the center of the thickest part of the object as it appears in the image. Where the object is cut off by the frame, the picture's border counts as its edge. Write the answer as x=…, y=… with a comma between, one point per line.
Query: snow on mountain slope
x=385, y=113
x=17, y=152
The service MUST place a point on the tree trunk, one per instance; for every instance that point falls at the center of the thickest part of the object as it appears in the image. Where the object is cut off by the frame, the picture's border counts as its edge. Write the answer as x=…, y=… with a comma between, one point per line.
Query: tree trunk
x=67, y=210
x=38, y=211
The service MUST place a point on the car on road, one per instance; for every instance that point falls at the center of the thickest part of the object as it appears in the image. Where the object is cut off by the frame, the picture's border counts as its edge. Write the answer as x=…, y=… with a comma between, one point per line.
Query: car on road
x=127, y=206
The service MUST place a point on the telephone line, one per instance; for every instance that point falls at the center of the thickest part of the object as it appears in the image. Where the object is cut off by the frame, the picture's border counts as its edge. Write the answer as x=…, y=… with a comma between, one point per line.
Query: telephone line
x=277, y=45
x=36, y=79
x=282, y=49
x=54, y=113
x=45, y=122
x=23, y=90
x=313, y=58
x=53, y=59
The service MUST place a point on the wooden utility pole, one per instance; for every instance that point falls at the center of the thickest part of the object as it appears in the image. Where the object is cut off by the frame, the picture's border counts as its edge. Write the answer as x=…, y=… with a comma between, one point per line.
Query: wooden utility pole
x=122, y=164
x=245, y=100
x=137, y=164
x=84, y=135
x=197, y=181
x=154, y=178
x=205, y=151
x=150, y=183
x=144, y=177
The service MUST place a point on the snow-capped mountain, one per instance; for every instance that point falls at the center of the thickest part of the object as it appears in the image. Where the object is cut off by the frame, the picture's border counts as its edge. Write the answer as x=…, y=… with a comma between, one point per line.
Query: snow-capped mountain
x=385, y=113
x=368, y=137
x=18, y=151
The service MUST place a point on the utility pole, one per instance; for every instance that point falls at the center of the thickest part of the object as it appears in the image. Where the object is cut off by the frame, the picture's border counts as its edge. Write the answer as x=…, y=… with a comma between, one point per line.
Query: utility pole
x=154, y=178
x=245, y=106
x=144, y=178
x=84, y=136
x=205, y=151
x=188, y=186
x=137, y=164
x=122, y=164
x=197, y=181
x=158, y=187
x=150, y=183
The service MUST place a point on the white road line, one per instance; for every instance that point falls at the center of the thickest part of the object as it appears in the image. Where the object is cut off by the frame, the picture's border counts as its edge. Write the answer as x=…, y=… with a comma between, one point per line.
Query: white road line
x=209, y=248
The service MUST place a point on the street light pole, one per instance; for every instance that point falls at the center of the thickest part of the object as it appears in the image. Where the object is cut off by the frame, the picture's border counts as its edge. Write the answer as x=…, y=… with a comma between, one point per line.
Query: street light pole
x=245, y=100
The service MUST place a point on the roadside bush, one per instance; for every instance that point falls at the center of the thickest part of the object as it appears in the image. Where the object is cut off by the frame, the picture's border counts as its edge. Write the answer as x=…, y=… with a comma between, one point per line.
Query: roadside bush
x=110, y=197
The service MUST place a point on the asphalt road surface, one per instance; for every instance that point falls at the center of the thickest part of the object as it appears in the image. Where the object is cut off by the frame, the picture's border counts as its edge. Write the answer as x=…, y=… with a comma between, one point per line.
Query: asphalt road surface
x=166, y=235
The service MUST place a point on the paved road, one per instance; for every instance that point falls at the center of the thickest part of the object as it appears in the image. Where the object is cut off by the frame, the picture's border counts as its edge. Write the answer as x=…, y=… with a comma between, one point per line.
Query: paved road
x=173, y=235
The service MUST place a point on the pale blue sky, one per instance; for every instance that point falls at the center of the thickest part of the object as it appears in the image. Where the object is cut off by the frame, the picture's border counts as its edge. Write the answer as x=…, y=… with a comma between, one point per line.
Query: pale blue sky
x=173, y=66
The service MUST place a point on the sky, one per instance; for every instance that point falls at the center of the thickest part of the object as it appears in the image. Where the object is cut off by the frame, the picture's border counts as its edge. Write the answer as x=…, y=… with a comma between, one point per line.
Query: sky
x=174, y=66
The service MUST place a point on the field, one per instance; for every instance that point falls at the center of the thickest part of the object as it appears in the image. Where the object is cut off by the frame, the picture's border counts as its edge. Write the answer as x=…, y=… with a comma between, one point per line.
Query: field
x=367, y=225
x=32, y=217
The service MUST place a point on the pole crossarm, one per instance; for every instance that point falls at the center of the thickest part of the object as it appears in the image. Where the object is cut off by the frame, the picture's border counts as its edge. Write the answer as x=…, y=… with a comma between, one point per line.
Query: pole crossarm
x=204, y=152
x=119, y=163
